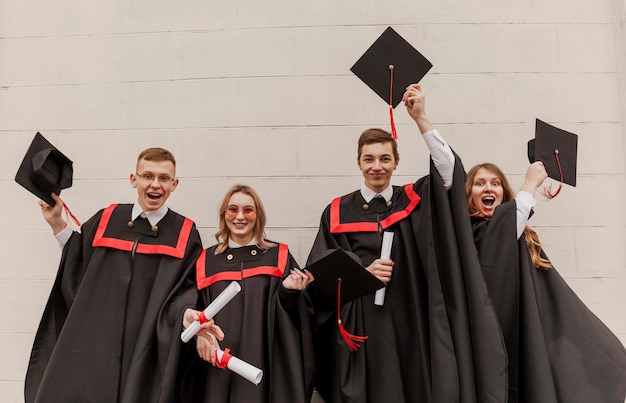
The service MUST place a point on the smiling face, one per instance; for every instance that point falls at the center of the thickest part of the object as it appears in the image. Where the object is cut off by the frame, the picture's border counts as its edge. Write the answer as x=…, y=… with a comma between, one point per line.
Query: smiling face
x=377, y=164
x=240, y=217
x=154, y=181
x=487, y=192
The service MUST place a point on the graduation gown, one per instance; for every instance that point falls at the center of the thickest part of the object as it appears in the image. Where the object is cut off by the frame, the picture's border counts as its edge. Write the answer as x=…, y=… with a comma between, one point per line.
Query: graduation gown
x=265, y=325
x=436, y=338
x=110, y=331
x=558, y=350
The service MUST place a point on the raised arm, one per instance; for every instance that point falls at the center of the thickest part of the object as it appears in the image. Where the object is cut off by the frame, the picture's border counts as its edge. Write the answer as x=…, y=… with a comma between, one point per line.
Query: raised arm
x=440, y=151
x=415, y=104
x=535, y=175
x=525, y=199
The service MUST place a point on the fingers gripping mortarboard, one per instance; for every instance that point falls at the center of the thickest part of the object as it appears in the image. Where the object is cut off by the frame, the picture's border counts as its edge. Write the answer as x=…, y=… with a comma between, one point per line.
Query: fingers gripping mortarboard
x=557, y=149
x=389, y=66
x=340, y=279
x=45, y=170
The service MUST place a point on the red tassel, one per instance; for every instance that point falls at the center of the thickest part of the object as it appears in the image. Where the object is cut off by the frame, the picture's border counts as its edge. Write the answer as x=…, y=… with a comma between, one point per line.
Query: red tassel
x=68, y=211
x=547, y=191
x=394, y=133
x=353, y=341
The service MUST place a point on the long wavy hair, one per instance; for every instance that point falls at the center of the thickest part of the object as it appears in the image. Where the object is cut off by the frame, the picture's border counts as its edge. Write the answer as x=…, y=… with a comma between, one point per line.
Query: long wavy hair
x=530, y=235
x=223, y=233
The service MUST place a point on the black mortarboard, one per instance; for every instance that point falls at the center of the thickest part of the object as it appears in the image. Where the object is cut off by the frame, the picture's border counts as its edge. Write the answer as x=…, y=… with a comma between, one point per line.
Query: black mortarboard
x=557, y=149
x=390, y=49
x=339, y=277
x=355, y=280
x=44, y=170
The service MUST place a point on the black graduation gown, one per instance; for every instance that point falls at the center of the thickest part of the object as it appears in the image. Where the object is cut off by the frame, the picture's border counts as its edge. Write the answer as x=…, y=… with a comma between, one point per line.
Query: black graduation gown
x=436, y=338
x=110, y=331
x=265, y=325
x=559, y=351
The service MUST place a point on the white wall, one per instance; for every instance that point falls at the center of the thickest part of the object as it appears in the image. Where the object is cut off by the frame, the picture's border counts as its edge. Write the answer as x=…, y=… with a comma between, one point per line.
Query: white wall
x=261, y=93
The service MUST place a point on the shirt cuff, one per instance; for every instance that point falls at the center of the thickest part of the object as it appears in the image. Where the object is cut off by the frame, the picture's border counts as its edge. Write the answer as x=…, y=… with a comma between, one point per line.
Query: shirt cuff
x=64, y=236
x=442, y=156
x=524, y=202
x=526, y=198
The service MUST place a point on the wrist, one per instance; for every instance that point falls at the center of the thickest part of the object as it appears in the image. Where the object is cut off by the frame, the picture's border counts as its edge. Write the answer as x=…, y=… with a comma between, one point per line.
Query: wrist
x=424, y=124
x=529, y=188
x=57, y=226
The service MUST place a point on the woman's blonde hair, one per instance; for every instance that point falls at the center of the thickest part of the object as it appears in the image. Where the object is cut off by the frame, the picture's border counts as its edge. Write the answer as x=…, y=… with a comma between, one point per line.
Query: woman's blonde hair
x=223, y=233
x=530, y=235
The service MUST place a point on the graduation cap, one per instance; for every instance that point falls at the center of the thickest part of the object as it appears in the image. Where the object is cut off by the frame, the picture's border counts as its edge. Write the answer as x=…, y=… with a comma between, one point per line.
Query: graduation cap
x=389, y=66
x=557, y=149
x=45, y=170
x=340, y=279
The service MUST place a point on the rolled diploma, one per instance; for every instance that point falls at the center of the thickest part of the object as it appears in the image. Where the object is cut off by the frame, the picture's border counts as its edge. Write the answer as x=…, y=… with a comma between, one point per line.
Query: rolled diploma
x=385, y=253
x=242, y=368
x=214, y=307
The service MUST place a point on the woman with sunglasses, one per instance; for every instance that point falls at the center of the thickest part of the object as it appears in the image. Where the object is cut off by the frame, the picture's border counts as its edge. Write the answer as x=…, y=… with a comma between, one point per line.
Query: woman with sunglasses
x=266, y=324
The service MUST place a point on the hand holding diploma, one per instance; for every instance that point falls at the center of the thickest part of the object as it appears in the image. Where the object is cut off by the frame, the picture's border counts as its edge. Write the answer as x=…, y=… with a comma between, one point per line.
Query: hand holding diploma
x=385, y=253
x=214, y=307
x=241, y=368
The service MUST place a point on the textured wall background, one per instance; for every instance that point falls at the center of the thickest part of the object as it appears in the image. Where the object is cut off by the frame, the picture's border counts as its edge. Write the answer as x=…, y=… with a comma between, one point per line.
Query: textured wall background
x=261, y=93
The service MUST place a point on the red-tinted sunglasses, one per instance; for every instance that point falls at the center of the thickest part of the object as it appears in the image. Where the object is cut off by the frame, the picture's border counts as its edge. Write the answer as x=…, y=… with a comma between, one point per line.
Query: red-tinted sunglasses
x=248, y=212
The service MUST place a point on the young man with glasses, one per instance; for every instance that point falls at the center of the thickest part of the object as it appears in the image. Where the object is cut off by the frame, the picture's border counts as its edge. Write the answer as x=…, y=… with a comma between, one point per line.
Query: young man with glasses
x=124, y=290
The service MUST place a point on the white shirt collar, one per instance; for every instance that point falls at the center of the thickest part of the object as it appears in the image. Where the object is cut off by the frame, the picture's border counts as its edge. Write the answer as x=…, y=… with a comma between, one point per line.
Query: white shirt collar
x=232, y=244
x=368, y=194
x=153, y=216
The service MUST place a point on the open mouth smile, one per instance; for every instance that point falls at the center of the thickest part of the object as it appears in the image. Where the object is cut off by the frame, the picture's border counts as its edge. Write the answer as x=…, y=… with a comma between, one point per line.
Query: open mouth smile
x=488, y=201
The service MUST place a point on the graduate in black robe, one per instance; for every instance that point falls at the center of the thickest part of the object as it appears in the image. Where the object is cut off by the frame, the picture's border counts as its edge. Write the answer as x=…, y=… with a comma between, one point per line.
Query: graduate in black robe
x=111, y=328
x=436, y=337
x=558, y=350
x=267, y=324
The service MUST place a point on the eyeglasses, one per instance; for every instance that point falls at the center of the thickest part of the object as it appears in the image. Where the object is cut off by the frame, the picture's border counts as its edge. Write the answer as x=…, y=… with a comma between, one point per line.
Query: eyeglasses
x=149, y=178
x=248, y=212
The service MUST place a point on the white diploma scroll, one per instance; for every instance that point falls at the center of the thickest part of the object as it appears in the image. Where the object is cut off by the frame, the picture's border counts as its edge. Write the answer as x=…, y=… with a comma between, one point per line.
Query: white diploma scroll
x=242, y=368
x=385, y=253
x=214, y=307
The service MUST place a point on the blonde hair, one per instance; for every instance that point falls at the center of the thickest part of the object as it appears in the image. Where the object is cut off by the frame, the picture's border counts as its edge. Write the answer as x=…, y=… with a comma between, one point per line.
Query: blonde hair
x=156, y=154
x=530, y=235
x=223, y=233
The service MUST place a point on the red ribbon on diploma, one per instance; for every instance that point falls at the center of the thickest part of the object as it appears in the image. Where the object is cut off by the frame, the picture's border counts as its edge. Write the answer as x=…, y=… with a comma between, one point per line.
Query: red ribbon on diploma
x=223, y=363
x=202, y=319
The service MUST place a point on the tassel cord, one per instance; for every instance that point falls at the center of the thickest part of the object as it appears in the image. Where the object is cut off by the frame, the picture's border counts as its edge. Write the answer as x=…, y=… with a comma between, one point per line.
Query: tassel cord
x=394, y=133
x=547, y=191
x=353, y=341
